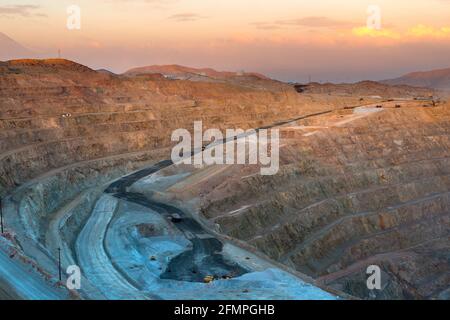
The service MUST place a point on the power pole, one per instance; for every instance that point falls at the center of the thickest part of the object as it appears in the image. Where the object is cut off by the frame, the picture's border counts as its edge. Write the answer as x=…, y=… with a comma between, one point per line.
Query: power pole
x=59, y=264
x=1, y=216
x=59, y=53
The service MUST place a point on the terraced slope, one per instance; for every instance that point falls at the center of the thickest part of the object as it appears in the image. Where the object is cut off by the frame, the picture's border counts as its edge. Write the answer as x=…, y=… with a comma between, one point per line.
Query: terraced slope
x=367, y=187
x=67, y=132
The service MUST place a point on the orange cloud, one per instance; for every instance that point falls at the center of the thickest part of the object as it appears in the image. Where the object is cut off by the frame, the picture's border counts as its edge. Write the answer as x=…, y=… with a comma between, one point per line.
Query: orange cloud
x=414, y=33
x=374, y=33
x=427, y=31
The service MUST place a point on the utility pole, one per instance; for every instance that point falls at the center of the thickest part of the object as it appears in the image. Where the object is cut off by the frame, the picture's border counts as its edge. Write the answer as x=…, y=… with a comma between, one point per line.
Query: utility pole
x=59, y=53
x=1, y=216
x=59, y=264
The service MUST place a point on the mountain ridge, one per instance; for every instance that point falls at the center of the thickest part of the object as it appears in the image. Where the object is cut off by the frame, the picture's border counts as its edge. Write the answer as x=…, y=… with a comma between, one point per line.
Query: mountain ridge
x=176, y=70
x=11, y=49
x=436, y=79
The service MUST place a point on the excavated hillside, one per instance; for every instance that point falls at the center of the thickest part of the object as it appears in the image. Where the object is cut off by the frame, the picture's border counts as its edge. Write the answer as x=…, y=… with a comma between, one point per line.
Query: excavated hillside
x=67, y=131
x=352, y=186
x=56, y=113
x=366, y=88
x=368, y=186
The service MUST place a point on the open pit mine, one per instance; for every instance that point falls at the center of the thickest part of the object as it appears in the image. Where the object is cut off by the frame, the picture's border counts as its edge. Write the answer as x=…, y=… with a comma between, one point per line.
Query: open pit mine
x=93, y=207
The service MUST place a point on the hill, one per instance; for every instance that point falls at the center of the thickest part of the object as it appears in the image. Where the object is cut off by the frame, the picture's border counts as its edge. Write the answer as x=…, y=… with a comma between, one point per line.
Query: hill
x=11, y=49
x=182, y=72
x=436, y=79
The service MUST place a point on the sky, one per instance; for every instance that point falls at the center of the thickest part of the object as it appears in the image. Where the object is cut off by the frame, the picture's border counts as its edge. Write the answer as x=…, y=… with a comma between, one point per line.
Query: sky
x=290, y=40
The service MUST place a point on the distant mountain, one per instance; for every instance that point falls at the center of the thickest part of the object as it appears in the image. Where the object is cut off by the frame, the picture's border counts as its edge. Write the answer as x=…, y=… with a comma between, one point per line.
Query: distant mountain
x=181, y=72
x=10, y=49
x=436, y=79
x=105, y=71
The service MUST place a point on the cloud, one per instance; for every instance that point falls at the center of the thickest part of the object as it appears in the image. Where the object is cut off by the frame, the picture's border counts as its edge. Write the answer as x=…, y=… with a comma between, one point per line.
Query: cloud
x=374, y=33
x=20, y=10
x=415, y=33
x=184, y=17
x=265, y=25
x=155, y=4
x=421, y=31
x=316, y=22
x=311, y=22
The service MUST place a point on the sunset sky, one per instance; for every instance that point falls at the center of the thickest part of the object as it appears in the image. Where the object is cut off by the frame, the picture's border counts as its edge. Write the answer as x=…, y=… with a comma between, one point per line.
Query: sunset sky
x=285, y=39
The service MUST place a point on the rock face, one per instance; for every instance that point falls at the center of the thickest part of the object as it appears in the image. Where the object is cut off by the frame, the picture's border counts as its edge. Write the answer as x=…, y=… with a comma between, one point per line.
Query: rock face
x=354, y=187
x=67, y=130
x=366, y=89
x=54, y=113
x=369, y=190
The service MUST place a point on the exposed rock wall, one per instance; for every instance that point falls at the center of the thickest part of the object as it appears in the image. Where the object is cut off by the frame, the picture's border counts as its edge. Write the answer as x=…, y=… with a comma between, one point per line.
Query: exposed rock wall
x=371, y=191
x=54, y=113
x=374, y=188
